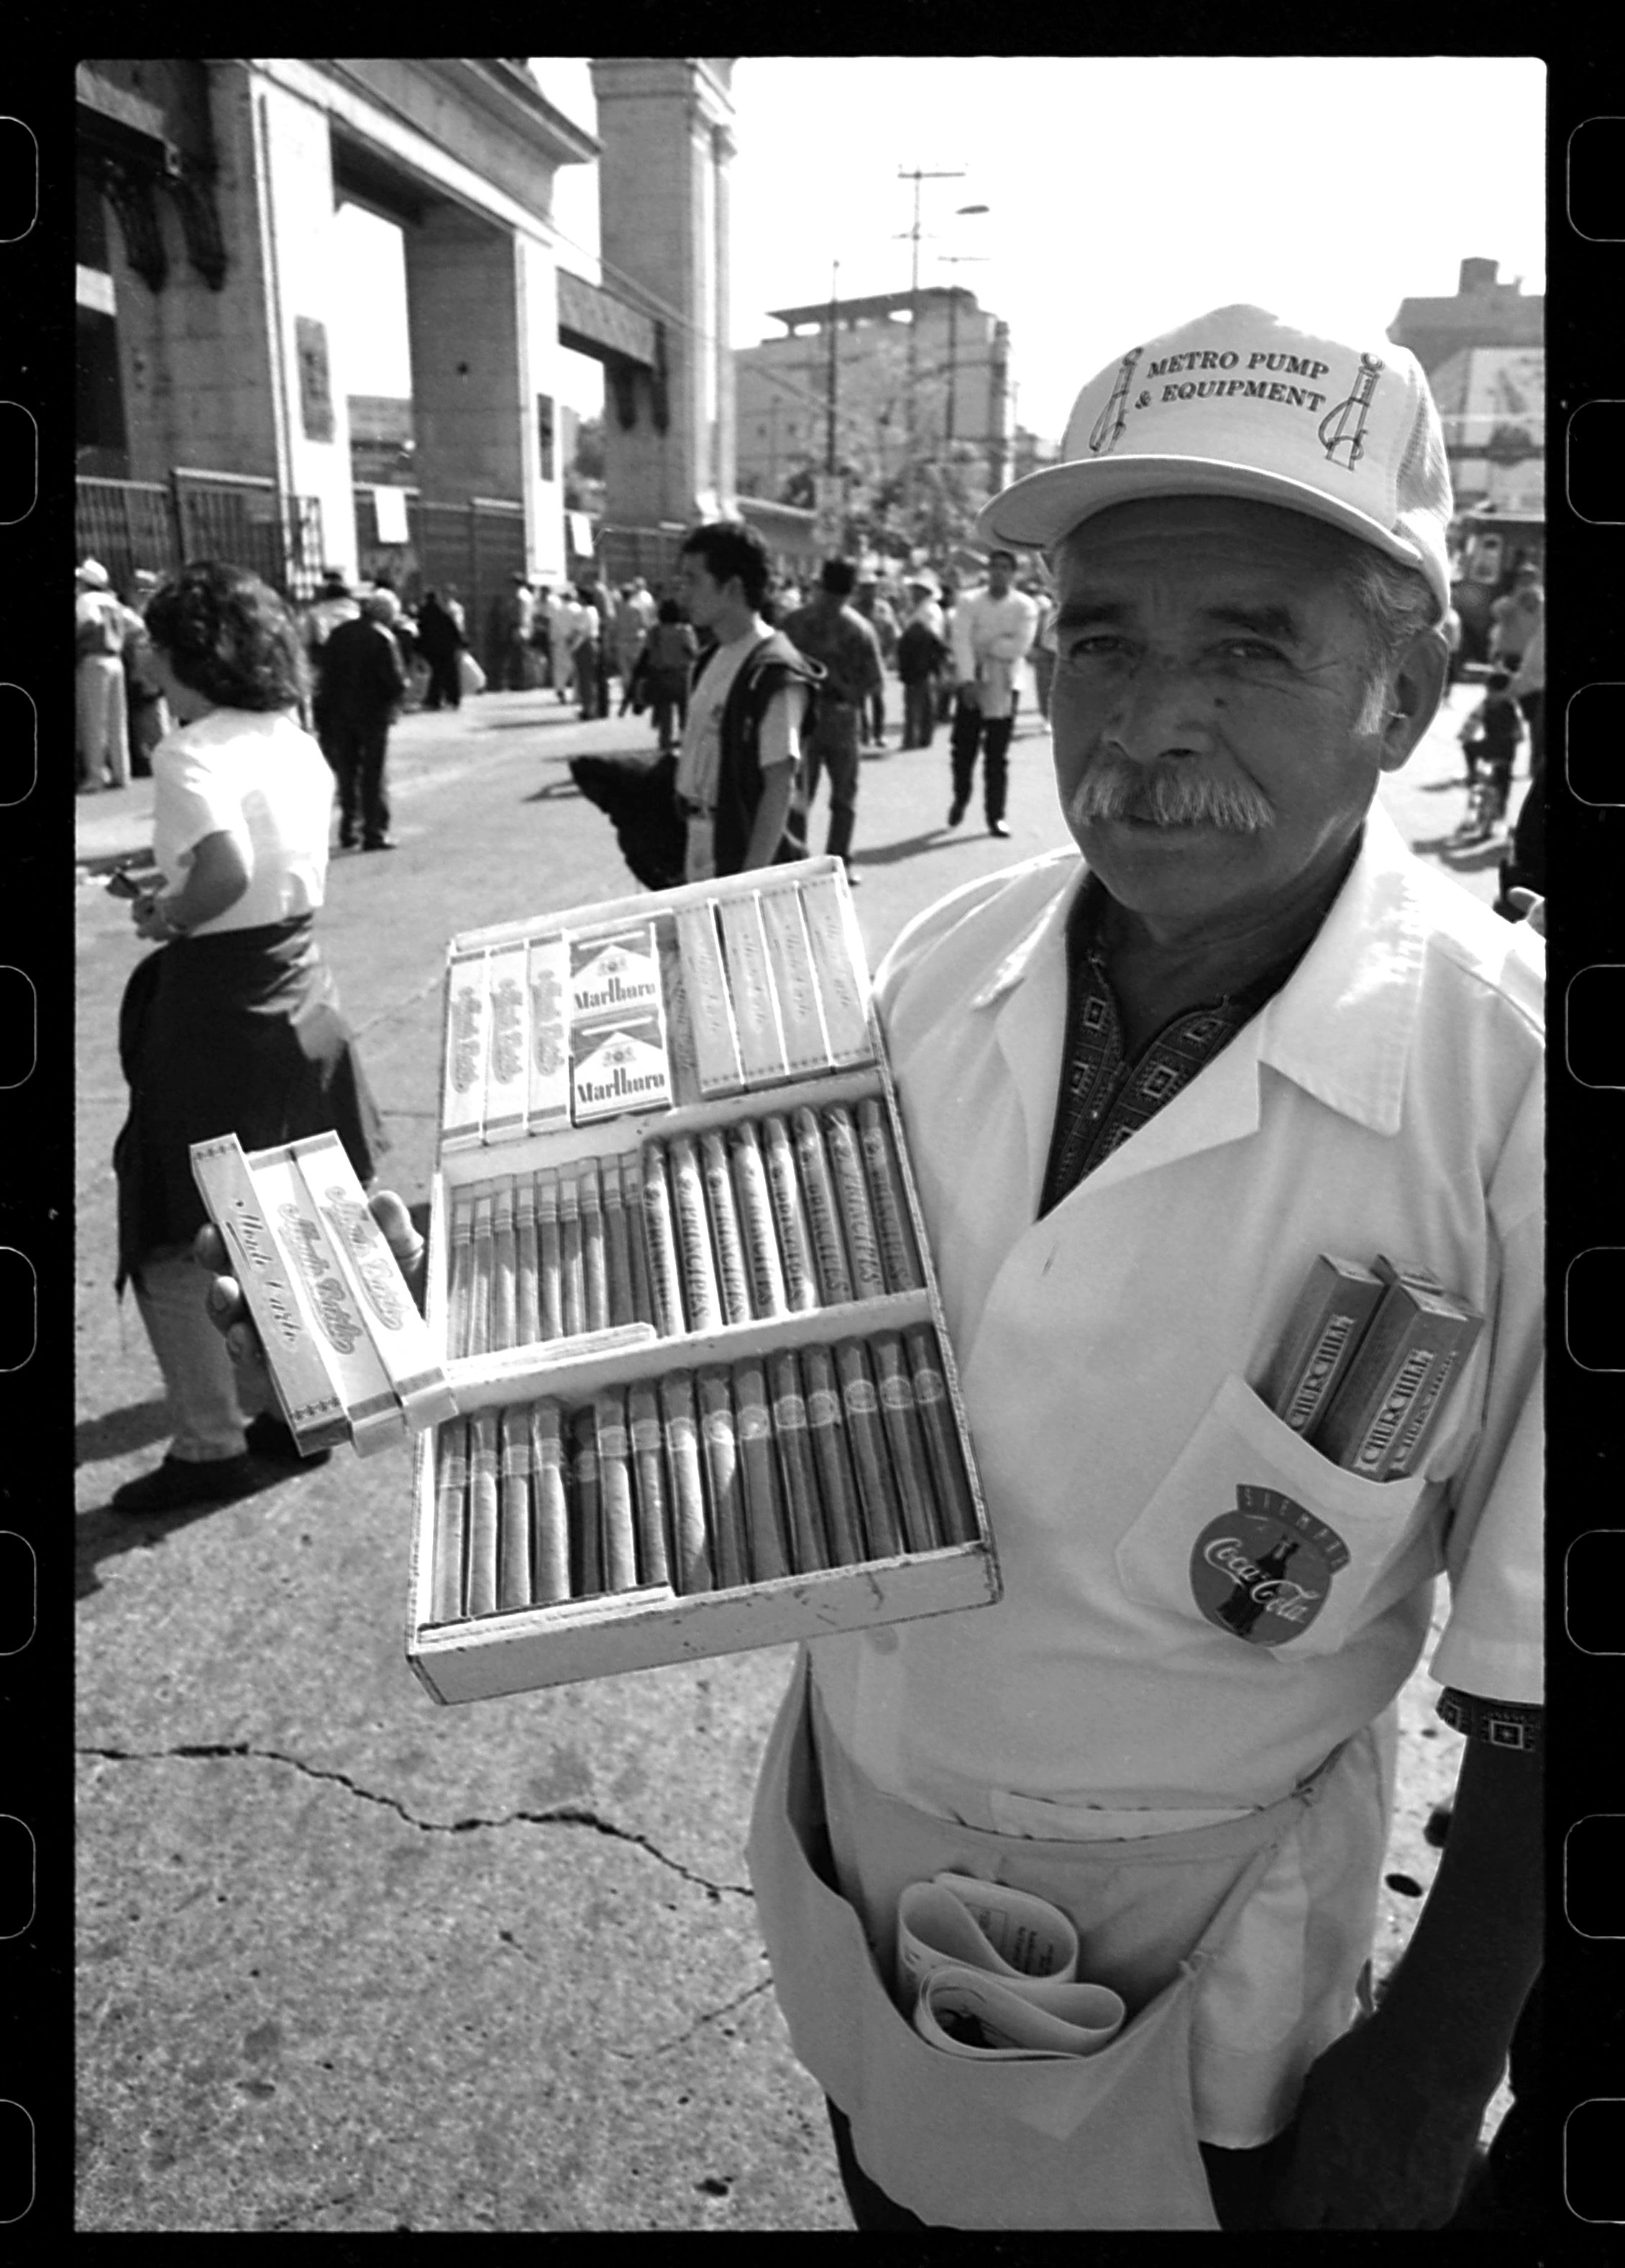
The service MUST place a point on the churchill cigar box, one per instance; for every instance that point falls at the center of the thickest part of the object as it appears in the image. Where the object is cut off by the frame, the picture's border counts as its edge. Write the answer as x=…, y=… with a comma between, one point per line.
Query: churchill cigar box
x=683, y=1300
x=681, y=1385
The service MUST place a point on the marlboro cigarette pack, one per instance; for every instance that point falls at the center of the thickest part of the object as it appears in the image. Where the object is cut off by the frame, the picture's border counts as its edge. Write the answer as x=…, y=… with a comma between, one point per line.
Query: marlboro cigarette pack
x=682, y=1384
x=1379, y=1403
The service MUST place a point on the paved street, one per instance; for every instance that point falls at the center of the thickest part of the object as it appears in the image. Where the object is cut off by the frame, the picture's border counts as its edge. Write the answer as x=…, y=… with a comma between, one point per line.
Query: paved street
x=352, y=1962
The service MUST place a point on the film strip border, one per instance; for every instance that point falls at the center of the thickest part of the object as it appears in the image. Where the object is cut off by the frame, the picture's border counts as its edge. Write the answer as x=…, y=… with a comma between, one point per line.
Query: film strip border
x=1573, y=2114
x=36, y=1185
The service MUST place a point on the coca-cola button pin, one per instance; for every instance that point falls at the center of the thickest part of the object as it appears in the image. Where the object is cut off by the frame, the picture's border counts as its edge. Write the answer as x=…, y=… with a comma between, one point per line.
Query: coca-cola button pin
x=1262, y=1572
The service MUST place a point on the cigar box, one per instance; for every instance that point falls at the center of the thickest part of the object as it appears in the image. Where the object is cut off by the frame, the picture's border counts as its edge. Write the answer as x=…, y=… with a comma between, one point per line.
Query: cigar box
x=689, y=1323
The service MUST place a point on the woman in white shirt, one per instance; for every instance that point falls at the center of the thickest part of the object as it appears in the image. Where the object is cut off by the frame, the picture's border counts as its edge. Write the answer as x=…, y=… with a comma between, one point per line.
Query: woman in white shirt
x=234, y=1027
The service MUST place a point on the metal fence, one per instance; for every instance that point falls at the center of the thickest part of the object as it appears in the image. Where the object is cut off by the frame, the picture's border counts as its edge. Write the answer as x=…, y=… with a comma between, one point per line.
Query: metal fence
x=473, y=550
x=201, y=515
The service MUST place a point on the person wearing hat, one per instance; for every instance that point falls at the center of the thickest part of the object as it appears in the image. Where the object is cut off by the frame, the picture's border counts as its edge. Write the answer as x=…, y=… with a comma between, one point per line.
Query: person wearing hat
x=1145, y=1088
x=102, y=717
x=922, y=655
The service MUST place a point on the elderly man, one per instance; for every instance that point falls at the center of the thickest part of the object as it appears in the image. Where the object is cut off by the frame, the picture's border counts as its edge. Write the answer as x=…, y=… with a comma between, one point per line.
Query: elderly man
x=98, y=630
x=1144, y=1091
x=363, y=686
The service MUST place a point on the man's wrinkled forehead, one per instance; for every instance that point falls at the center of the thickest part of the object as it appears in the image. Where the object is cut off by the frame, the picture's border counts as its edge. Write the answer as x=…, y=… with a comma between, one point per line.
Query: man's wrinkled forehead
x=1238, y=564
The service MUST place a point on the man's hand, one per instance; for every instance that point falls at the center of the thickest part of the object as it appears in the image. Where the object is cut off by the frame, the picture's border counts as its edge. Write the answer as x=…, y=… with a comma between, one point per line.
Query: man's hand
x=1377, y=2144
x=148, y=922
x=229, y=1313
x=1530, y=907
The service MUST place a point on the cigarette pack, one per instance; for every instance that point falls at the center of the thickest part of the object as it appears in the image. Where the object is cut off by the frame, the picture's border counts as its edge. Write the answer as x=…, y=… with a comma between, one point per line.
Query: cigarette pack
x=704, y=1395
x=332, y=1310
x=750, y=987
x=1337, y=1301
x=305, y=1387
x=1367, y=1415
x=1411, y=1442
x=508, y=1061
x=468, y=1045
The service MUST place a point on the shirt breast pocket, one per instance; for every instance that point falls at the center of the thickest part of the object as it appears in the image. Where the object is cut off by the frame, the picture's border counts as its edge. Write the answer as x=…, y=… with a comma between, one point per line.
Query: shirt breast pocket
x=1262, y=1539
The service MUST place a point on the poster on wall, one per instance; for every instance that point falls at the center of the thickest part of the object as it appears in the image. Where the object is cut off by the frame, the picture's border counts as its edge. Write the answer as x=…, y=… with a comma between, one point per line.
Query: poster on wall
x=315, y=378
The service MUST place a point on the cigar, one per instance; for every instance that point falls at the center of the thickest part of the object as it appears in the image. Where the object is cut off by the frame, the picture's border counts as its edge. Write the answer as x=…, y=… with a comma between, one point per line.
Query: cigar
x=765, y=1517
x=660, y=1245
x=637, y=1253
x=956, y=1508
x=451, y=1490
x=764, y=1272
x=528, y=1313
x=898, y=1256
x=796, y=1466
x=460, y=1296
x=548, y=975
x=701, y=1301
x=617, y=1252
x=871, y=1463
x=868, y=1277
x=910, y=1468
x=716, y=1041
x=550, y=1541
x=504, y=1271
x=620, y=1551
x=485, y=1260
x=721, y=1442
x=550, y=1271
x=585, y=1504
x=693, y=1569
x=513, y=1575
x=648, y=1482
x=834, y=1279
x=750, y=988
x=732, y=1282
x=837, y=956
x=790, y=953
x=333, y=1314
x=826, y=1431
x=482, y=1520
x=571, y=1277
x=595, y=1269
x=790, y=1218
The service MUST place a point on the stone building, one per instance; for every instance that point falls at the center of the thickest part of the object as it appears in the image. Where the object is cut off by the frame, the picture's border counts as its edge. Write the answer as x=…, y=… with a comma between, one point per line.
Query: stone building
x=1484, y=352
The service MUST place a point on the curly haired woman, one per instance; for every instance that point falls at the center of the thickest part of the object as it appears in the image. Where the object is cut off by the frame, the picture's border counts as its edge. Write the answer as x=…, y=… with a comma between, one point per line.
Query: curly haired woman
x=233, y=1026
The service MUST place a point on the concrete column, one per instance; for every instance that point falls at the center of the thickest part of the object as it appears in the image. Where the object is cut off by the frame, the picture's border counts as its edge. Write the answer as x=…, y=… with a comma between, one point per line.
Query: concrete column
x=463, y=323
x=662, y=123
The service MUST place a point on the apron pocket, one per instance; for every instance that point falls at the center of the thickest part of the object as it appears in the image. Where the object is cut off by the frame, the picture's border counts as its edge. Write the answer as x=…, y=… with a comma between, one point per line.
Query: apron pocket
x=1263, y=1539
x=1106, y=2141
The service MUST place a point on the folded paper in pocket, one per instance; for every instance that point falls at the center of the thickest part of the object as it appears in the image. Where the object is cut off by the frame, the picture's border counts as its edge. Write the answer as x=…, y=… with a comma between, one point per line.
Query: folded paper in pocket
x=1005, y=1933
x=966, y=2012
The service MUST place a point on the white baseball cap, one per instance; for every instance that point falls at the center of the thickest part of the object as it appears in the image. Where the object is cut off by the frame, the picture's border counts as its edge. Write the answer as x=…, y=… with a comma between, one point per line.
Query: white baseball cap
x=1238, y=403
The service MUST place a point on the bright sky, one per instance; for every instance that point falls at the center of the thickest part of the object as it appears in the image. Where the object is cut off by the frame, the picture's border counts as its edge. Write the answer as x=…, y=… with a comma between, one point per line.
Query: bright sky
x=1125, y=194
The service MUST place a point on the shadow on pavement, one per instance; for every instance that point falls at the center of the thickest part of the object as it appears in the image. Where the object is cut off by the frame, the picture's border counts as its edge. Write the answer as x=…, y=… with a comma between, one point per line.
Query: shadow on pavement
x=117, y=1432
x=888, y=854
x=103, y=1533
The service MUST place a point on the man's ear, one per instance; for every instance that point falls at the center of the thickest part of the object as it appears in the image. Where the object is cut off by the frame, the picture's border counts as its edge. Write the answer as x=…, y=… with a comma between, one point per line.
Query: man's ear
x=1417, y=684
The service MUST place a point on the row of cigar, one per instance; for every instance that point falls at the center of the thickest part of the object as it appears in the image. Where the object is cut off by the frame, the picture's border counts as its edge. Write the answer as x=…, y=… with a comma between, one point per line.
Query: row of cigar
x=781, y=1465
x=763, y=1218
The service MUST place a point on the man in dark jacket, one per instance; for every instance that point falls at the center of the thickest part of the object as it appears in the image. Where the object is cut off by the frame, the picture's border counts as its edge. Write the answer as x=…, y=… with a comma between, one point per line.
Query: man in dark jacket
x=363, y=686
x=740, y=754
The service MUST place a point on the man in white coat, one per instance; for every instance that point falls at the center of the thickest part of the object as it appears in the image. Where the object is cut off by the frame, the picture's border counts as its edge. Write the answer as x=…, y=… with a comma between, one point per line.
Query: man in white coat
x=1144, y=1091
x=992, y=630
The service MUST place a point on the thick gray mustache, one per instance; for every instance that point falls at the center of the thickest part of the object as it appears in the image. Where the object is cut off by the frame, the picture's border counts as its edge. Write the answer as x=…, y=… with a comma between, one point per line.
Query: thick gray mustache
x=1171, y=795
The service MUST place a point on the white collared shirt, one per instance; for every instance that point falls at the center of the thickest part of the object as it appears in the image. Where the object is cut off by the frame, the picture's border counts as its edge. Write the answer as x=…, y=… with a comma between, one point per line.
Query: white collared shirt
x=1388, y=1099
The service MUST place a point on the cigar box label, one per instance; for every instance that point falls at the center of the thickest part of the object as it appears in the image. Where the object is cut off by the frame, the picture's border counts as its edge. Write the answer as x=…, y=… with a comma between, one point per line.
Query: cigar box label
x=305, y=1387
x=1262, y=1573
x=547, y=972
x=895, y=1393
x=751, y=986
x=861, y=1397
x=401, y=1334
x=842, y=984
x=824, y=1405
x=354, y=1362
x=614, y=975
x=508, y=1074
x=806, y=1046
x=790, y=1413
x=618, y=1068
x=468, y=1034
x=710, y=1016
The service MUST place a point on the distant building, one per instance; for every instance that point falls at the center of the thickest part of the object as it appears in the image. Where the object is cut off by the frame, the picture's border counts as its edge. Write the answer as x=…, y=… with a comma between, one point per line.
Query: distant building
x=953, y=386
x=1485, y=357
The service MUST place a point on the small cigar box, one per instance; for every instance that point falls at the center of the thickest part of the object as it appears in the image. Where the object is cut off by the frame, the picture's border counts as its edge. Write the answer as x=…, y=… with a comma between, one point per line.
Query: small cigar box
x=686, y=1309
